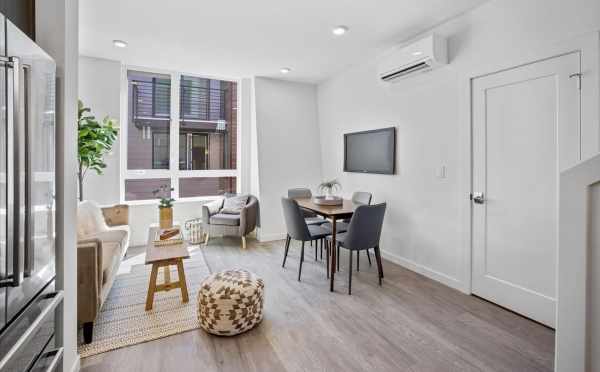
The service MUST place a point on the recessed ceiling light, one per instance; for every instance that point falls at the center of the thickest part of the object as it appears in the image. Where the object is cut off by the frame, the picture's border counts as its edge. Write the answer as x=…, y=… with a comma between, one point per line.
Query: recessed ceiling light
x=417, y=53
x=339, y=30
x=285, y=70
x=120, y=43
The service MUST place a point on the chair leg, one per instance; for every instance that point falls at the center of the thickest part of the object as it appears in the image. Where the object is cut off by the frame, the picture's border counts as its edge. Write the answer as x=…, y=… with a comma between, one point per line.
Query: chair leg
x=379, y=265
x=206, y=239
x=287, y=247
x=301, y=260
x=327, y=258
x=350, y=272
x=357, y=261
x=88, y=332
x=322, y=248
x=369, y=257
x=338, y=258
x=316, y=249
x=243, y=242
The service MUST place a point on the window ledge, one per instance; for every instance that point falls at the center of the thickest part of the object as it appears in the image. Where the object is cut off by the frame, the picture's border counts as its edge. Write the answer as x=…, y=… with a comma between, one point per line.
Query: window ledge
x=199, y=199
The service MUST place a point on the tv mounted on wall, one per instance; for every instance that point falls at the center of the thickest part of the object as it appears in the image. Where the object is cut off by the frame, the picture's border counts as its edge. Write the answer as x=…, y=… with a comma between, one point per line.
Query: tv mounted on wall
x=372, y=151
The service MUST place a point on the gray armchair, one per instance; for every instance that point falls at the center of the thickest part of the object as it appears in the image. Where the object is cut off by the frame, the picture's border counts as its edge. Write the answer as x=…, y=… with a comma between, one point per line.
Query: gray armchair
x=217, y=223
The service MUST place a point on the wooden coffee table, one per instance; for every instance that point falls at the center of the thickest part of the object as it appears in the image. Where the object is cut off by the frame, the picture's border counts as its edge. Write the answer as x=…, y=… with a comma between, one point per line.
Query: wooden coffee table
x=164, y=256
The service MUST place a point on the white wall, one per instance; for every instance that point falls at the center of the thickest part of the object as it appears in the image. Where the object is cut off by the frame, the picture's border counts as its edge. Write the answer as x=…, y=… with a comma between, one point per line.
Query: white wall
x=57, y=24
x=287, y=144
x=99, y=89
x=425, y=222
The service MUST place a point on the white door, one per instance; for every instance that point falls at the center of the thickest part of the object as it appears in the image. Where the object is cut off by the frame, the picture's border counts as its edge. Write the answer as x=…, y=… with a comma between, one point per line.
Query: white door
x=526, y=128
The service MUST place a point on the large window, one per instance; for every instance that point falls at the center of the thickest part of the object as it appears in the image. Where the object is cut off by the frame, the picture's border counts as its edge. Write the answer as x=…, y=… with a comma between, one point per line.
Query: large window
x=182, y=132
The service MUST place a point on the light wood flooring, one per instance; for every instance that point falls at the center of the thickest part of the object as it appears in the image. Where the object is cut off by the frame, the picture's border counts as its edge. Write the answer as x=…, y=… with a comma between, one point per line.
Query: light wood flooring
x=411, y=323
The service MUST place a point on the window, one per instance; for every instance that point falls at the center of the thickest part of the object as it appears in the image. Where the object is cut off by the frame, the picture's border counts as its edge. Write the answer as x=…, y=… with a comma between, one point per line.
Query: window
x=182, y=131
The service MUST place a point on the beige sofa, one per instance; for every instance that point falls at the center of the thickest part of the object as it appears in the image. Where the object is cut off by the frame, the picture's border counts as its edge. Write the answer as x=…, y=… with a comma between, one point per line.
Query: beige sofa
x=102, y=241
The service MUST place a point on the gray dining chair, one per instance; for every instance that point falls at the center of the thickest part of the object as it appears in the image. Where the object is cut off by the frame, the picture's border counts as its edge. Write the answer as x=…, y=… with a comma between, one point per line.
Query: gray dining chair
x=364, y=232
x=310, y=216
x=298, y=229
x=358, y=198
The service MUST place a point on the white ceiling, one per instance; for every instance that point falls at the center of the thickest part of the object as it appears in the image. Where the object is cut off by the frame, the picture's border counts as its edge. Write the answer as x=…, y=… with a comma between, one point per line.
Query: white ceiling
x=241, y=38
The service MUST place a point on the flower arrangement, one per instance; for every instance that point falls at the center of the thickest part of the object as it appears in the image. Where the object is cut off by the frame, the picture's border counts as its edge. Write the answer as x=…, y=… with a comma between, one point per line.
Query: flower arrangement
x=329, y=188
x=165, y=206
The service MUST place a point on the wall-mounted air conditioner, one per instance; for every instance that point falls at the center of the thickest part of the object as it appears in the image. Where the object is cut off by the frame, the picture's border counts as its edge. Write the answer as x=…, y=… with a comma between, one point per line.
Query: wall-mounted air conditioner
x=420, y=56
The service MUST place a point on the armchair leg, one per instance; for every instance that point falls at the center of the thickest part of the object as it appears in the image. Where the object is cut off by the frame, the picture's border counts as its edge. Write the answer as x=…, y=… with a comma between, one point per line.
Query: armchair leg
x=206, y=239
x=88, y=332
x=243, y=242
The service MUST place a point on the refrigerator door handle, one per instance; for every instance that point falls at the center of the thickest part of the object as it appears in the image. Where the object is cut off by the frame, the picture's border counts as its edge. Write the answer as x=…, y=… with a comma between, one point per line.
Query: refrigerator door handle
x=13, y=176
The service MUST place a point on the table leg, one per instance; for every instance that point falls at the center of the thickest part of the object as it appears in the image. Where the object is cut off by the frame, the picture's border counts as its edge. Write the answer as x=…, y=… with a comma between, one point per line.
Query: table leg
x=167, y=273
x=151, y=287
x=182, y=282
x=333, y=249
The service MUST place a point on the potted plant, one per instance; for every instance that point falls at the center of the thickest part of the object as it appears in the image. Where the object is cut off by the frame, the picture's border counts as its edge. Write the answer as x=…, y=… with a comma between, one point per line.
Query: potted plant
x=165, y=206
x=95, y=140
x=329, y=188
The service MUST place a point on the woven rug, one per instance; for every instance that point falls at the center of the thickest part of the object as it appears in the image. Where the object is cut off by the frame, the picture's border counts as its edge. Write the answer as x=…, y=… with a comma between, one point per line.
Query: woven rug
x=122, y=321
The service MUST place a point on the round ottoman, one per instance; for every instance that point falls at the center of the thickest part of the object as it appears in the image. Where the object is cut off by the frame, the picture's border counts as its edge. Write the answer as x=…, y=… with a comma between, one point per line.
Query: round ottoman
x=230, y=302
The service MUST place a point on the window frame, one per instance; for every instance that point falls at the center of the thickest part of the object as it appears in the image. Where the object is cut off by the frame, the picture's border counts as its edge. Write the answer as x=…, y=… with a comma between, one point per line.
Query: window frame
x=173, y=173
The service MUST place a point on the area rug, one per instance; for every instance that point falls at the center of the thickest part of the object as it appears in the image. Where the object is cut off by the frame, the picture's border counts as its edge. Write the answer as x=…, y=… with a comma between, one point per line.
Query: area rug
x=123, y=321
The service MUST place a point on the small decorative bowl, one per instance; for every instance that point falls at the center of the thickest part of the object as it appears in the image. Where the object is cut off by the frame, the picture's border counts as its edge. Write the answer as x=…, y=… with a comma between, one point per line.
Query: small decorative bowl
x=331, y=200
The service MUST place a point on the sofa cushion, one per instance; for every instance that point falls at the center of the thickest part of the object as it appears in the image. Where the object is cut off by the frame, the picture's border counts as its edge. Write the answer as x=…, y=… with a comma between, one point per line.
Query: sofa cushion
x=110, y=253
x=90, y=219
x=114, y=241
x=234, y=205
x=225, y=219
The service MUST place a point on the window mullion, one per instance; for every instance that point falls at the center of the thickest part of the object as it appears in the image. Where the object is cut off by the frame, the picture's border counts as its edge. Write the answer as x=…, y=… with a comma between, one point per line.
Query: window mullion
x=174, y=141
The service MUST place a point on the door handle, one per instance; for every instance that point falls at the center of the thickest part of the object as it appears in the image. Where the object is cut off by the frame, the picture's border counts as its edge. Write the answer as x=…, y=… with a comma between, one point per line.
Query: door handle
x=478, y=198
x=13, y=225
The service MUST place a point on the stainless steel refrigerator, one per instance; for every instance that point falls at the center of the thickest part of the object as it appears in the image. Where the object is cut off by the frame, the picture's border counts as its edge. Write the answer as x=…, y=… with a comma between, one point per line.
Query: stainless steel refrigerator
x=28, y=299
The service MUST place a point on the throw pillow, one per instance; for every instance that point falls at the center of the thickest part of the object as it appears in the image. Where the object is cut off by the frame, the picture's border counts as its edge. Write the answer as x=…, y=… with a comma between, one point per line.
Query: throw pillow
x=235, y=204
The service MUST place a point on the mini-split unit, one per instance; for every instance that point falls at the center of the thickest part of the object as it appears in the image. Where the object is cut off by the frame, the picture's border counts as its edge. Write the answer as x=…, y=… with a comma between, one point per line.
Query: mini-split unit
x=420, y=56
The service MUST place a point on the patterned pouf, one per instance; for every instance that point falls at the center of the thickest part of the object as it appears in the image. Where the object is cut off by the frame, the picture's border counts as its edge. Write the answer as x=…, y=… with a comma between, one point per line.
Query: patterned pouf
x=230, y=302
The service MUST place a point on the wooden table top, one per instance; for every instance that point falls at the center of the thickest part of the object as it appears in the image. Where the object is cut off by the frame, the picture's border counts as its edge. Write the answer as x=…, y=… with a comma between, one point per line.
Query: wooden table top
x=347, y=208
x=164, y=252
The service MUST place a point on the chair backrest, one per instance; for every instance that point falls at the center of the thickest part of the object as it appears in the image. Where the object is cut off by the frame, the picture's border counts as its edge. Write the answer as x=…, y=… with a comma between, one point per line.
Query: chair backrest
x=299, y=193
x=364, y=230
x=294, y=220
x=361, y=197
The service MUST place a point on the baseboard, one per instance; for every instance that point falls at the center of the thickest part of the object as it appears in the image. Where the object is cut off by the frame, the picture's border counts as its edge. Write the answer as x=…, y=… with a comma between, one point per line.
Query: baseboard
x=262, y=237
x=76, y=365
x=424, y=270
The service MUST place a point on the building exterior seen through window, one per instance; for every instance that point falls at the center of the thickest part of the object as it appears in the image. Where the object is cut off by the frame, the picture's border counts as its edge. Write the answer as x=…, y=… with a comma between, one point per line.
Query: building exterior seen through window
x=206, y=138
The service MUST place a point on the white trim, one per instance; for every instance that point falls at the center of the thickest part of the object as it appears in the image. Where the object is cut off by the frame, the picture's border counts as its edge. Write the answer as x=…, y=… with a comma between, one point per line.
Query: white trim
x=424, y=270
x=589, y=47
x=269, y=237
x=173, y=173
x=76, y=364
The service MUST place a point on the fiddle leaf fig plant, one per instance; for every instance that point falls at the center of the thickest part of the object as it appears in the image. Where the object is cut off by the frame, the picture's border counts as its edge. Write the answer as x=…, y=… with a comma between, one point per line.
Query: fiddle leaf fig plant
x=95, y=140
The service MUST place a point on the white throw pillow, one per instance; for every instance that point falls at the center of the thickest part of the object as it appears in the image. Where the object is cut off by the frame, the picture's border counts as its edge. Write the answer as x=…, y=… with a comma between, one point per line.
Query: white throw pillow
x=235, y=204
x=90, y=219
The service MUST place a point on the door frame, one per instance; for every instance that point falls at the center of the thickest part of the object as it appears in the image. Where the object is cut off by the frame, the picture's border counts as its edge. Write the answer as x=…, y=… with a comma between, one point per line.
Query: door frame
x=589, y=47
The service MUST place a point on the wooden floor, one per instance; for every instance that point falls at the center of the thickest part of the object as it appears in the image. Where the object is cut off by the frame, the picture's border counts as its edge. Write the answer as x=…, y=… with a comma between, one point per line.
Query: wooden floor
x=411, y=323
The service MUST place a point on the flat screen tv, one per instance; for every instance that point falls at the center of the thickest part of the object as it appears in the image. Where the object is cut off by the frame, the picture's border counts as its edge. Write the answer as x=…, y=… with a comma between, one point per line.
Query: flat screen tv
x=372, y=151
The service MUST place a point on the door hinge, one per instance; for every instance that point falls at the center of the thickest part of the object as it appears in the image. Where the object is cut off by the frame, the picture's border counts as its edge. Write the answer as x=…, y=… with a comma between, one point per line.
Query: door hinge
x=578, y=75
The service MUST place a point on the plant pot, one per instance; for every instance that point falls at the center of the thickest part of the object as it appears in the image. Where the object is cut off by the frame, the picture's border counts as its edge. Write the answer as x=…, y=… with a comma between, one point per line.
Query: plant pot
x=165, y=218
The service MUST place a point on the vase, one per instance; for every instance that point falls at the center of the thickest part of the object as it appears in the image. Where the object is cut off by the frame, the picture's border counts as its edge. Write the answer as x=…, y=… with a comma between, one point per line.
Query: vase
x=165, y=218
